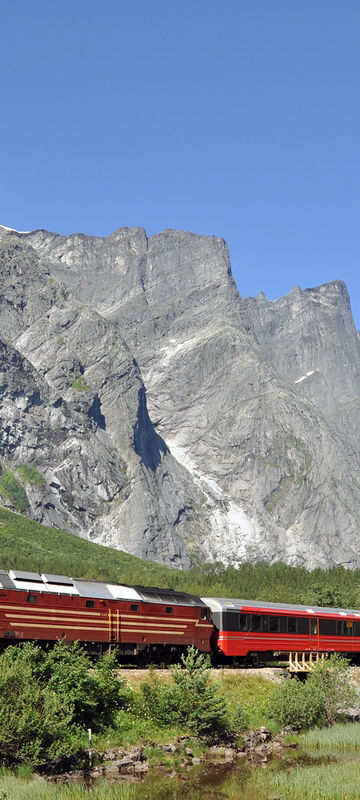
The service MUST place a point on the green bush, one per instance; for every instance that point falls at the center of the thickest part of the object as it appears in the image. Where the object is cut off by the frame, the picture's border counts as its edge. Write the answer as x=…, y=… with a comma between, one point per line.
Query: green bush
x=35, y=724
x=47, y=700
x=332, y=680
x=159, y=702
x=323, y=697
x=192, y=704
x=200, y=707
x=297, y=704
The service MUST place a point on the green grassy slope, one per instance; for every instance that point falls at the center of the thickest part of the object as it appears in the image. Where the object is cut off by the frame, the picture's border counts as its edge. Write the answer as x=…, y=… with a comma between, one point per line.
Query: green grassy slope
x=27, y=545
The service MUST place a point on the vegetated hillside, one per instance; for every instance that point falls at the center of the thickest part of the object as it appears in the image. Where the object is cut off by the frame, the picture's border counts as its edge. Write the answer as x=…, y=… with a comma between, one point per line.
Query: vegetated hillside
x=28, y=545
x=166, y=415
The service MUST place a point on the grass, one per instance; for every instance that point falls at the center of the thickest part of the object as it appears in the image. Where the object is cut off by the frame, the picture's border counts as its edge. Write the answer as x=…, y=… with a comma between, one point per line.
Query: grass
x=342, y=736
x=80, y=385
x=326, y=781
x=252, y=691
x=30, y=475
x=13, y=490
x=13, y=788
x=25, y=544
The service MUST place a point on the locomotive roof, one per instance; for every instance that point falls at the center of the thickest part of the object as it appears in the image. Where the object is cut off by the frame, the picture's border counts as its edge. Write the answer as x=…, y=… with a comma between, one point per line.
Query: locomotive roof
x=62, y=584
x=230, y=604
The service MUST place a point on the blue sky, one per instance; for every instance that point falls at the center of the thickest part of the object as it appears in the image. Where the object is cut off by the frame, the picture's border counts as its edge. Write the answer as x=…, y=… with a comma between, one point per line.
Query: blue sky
x=238, y=118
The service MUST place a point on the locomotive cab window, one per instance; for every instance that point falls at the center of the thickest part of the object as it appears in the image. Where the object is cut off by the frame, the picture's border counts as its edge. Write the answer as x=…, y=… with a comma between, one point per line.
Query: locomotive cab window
x=205, y=613
x=31, y=598
x=90, y=603
x=134, y=607
x=169, y=609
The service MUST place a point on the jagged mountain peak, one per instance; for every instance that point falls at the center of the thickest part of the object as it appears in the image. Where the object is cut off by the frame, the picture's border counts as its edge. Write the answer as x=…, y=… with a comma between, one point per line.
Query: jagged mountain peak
x=180, y=420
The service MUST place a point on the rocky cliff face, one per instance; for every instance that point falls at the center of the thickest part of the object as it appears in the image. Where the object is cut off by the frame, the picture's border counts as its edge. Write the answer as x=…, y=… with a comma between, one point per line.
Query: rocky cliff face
x=173, y=418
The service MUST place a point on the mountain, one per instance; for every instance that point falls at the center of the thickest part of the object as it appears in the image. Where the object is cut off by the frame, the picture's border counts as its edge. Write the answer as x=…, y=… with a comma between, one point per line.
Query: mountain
x=170, y=417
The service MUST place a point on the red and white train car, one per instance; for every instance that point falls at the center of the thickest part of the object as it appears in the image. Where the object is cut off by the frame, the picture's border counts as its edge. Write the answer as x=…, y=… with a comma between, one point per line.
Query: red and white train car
x=147, y=622
x=246, y=630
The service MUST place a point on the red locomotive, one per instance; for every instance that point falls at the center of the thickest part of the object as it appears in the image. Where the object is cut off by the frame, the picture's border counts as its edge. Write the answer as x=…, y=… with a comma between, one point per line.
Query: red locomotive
x=148, y=623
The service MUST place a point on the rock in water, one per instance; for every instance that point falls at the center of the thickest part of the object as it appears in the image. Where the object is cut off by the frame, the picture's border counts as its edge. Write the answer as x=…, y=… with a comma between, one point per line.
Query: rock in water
x=175, y=419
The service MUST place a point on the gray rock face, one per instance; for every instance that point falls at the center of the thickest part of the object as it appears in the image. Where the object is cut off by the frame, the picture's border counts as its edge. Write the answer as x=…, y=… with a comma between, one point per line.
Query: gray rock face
x=183, y=422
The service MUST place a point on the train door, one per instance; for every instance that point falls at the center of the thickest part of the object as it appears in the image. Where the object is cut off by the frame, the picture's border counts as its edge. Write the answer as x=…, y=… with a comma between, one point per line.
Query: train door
x=114, y=625
x=314, y=633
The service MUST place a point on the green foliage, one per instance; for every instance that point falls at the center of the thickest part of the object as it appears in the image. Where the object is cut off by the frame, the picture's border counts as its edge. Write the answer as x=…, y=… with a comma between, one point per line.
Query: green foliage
x=47, y=700
x=200, y=707
x=239, y=719
x=297, y=704
x=333, y=681
x=323, y=697
x=30, y=475
x=80, y=384
x=340, y=736
x=35, y=724
x=192, y=703
x=159, y=702
x=13, y=490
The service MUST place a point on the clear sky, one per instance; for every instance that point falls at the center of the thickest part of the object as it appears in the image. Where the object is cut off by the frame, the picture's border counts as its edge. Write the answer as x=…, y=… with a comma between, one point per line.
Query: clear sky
x=239, y=118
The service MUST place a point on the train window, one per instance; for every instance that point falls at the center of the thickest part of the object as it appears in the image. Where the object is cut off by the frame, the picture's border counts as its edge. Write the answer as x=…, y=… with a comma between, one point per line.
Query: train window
x=231, y=621
x=273, y=624
x=90, y=603
x=244, y=622
x=255, y=622
x=169, y=609
x=31, y=598
x=348, y=628
x=327, y=627
x=265, y=624
x=314, y=627
x=134, y=607
x=302, y=625
x=356, y=628
x=291, y=624
x=205, y=613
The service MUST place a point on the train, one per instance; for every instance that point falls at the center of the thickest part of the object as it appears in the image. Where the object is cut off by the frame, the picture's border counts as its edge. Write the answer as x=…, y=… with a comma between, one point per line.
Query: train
x=151, y=624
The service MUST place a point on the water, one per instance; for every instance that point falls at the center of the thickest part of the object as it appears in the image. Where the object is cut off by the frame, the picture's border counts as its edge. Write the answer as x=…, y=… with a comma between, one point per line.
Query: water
x=324, y=767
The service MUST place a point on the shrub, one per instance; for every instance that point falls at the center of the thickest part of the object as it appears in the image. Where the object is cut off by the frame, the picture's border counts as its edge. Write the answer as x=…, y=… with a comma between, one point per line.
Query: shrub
x=159, y=702
x=47, y=700
x=297, y=704
x=200, y=708
x=35, y=724
x=332, y=680
x=323, y=697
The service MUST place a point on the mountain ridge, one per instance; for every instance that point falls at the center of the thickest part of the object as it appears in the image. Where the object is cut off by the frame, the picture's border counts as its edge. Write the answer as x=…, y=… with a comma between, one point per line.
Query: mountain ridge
x=232, y=421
